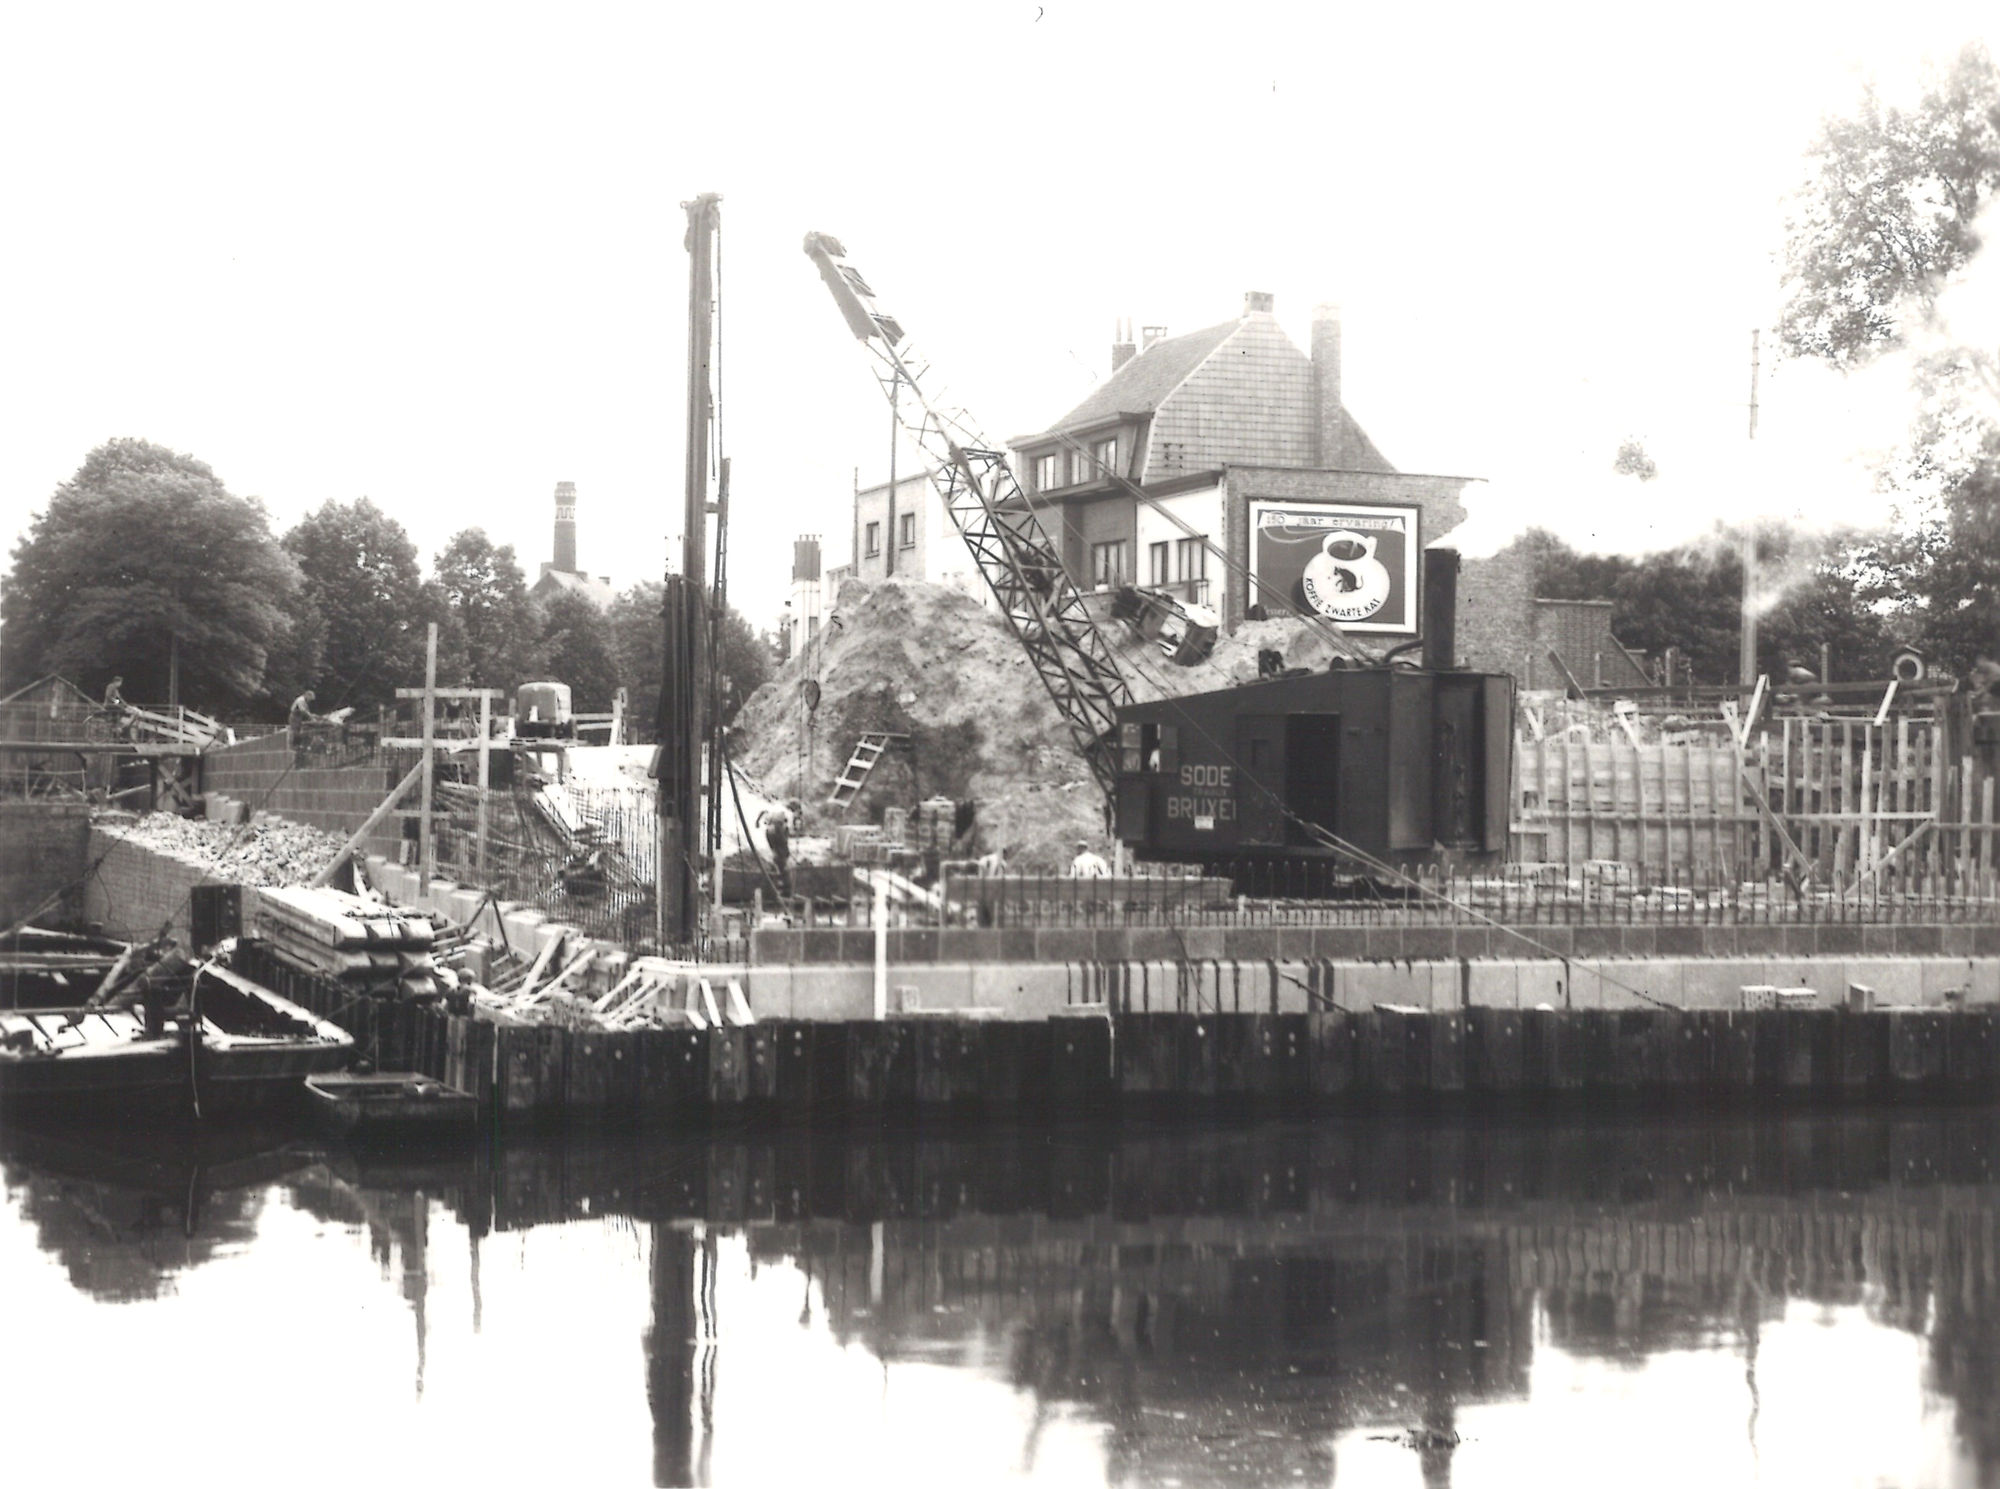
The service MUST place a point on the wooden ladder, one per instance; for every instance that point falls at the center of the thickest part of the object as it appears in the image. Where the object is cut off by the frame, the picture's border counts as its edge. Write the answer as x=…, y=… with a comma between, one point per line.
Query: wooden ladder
x=871, y=749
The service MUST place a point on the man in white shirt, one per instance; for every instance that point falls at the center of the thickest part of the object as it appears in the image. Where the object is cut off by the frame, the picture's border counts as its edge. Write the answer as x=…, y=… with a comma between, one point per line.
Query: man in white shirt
x=1087, y=864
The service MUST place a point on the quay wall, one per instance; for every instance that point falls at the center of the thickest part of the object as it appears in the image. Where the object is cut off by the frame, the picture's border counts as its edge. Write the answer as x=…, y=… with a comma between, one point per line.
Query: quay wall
x=1101, y=1059
x=44, y=847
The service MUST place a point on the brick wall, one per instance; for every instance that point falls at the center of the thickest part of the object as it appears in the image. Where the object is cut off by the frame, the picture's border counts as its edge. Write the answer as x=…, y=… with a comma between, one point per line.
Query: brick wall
x=261, y=772
x=1496, y=613
x=42, y=850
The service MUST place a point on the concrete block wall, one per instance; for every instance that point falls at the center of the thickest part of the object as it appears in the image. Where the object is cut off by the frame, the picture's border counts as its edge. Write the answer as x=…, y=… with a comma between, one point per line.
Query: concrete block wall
x=261, y=773
x=43, y=851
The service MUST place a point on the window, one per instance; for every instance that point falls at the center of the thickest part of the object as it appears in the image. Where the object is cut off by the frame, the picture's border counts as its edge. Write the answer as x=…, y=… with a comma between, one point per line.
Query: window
x=1109, y=562
x=1046, y=478
x=1104, y=456
x=1149, y=749
x=906, y=530
x=1156, y=555
x=874, y=540
x=1191, y=554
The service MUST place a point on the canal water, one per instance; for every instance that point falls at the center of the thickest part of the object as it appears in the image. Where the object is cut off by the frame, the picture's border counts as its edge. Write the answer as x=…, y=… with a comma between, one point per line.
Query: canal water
x=1809, y=1300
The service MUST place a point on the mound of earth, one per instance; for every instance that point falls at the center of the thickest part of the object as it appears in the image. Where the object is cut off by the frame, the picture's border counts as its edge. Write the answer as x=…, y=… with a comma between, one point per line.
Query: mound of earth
x=929, y=662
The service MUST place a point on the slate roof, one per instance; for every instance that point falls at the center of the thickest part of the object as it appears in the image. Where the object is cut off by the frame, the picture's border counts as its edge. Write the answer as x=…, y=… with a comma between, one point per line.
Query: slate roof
x=1142, y=384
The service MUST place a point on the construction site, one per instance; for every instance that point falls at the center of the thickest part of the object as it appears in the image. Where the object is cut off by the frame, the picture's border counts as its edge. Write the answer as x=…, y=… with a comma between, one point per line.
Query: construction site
x=1258, y=809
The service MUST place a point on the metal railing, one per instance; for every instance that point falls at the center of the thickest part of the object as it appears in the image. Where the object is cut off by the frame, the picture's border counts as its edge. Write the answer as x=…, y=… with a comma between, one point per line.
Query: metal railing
x=1324, y=894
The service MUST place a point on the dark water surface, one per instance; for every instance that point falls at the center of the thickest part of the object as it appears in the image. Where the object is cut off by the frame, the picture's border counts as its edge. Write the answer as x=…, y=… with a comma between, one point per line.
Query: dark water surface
x=1809, y=1300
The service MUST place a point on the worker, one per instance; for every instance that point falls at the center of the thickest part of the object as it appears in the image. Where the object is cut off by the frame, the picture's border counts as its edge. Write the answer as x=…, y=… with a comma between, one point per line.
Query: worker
x=993, y=863
x=119, y=711
x=300, y=718
x=775, y=822
x=1983, y=683
x=1088, y=864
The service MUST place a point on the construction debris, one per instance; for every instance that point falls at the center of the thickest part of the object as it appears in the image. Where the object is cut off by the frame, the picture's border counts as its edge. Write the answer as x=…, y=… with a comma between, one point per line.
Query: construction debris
x=264, y=853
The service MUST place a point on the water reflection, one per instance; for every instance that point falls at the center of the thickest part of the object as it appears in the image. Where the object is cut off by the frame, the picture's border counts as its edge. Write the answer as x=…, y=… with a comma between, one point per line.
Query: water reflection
x=1283, y=1304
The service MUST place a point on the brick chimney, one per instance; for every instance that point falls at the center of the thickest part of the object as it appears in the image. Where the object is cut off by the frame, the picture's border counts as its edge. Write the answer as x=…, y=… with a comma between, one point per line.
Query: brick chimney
x=565, y=557
x=1123, y=348
x=1150, y=336
x=1329, y=418
x=1257, y=302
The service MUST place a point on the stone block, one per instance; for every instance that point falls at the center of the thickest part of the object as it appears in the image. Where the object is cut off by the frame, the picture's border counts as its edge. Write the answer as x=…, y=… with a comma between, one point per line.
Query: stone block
x=1495, y=984
x=768, y=990
x=821, y=992
x=1938, y=976
x=1022, y=990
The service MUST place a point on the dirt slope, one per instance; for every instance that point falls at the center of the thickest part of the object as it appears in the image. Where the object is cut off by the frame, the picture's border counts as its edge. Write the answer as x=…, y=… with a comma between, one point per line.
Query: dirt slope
x=928, y=661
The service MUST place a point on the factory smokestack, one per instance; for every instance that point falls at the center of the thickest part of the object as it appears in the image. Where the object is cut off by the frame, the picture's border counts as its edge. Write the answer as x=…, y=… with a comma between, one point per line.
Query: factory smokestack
x=1440, y=622
x=565, y=554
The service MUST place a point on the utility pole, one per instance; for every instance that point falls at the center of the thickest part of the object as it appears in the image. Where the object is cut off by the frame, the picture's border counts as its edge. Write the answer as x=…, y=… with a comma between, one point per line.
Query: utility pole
x=1746, y=655
x=889, y=536
x=425, y=847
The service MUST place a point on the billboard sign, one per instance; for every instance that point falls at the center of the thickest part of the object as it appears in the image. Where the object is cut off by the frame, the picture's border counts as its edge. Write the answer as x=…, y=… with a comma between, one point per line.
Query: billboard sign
x=1353, y=563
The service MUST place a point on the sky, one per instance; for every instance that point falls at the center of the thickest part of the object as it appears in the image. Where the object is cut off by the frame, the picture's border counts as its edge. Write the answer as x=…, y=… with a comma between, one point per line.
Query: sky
x=432, y=254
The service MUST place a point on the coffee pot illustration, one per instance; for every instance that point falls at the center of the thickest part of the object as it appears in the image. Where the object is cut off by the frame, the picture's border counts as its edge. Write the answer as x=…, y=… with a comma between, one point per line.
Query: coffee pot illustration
x=1345, y=580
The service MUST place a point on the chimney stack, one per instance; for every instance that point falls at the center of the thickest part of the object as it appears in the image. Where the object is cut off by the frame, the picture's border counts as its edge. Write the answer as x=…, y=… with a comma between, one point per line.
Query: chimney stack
x=1122, y=348
x=1149, y=336
x=1440, y=622
x=1255, y=301
x=565, y=555
x=1329, y=417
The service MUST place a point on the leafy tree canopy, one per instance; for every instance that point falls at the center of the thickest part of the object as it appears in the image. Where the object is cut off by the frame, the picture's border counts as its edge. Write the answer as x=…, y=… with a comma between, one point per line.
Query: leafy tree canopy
x=362, y=585
x=578, y=643
x=140, y=559
x=1889, y=211
x=744, y=657
x=486, y=602
x=1888, y=220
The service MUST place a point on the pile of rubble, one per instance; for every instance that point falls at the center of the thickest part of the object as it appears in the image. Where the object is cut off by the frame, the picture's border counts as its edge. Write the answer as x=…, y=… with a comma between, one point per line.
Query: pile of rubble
x=264, y=853
x=902, y=652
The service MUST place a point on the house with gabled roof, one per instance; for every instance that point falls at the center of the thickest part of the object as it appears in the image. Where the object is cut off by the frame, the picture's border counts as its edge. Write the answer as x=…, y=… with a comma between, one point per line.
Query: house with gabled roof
x=1244, y=438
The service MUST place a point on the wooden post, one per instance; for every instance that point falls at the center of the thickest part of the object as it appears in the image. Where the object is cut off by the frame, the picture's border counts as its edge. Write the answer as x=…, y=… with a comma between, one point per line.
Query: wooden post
x=389, y=804
x=485, y=777
x=424, y=845
x=881, y=949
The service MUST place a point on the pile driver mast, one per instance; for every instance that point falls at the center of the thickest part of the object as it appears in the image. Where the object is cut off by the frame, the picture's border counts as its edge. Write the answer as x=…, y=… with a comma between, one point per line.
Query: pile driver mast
x=1013, y=552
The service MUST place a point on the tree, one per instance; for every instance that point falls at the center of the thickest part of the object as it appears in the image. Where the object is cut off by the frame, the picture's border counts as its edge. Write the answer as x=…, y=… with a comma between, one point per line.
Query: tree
x=145, y=564
x=578, y=644
x=638, y=647
x=1888, y=213
x=1887, y=219
x=361, y=582
x=744, y=656
x=1632, y=460
x=487, y=599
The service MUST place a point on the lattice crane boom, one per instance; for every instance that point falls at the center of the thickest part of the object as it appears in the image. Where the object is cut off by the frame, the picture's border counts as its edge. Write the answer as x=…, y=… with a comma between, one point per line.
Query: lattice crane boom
x=1019, y=563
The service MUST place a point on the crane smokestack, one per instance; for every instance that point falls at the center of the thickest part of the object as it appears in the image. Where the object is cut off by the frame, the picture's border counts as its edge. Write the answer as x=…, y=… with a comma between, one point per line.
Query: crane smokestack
x=1440, y=622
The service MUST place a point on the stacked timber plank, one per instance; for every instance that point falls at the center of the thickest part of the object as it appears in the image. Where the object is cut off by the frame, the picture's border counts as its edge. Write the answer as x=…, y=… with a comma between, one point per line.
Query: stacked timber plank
x=368, y=947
